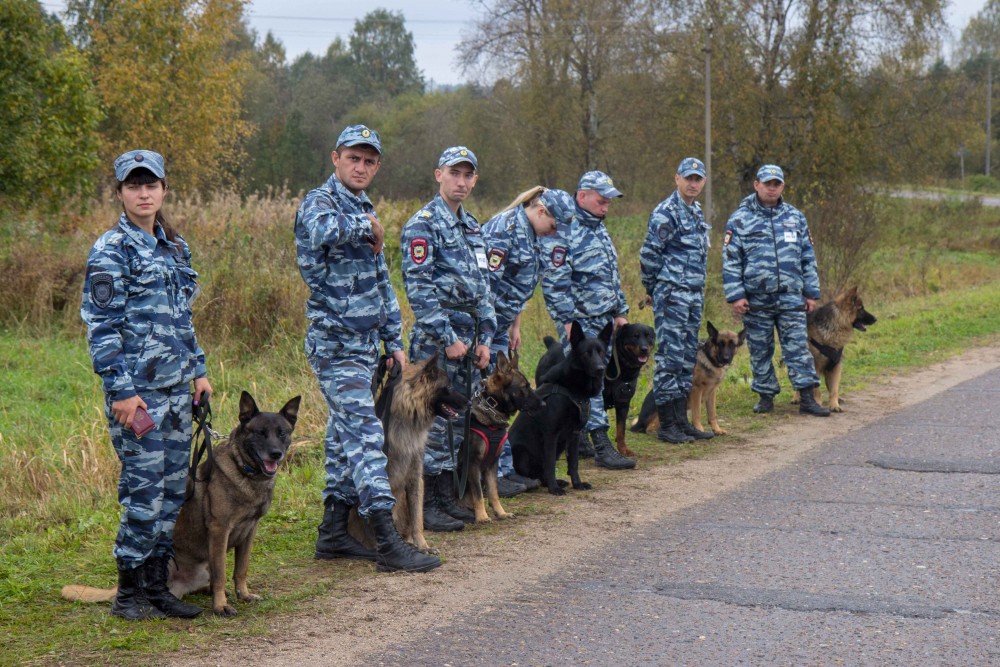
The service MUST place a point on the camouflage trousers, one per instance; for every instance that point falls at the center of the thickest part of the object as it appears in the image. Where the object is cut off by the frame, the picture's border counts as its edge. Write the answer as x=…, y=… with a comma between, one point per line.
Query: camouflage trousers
x=677, y=315
x=355, y=463
x=437, y=455
x=791, y=325
x=153, y=479
x=591, y=326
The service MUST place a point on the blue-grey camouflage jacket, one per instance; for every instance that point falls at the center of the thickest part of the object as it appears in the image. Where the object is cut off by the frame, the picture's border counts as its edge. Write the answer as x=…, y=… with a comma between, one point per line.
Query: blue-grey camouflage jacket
x=349, y=288
x=137, y=307
x=512, y=255
x=581, y=278
x=676, y=247
x=768, y=257
x=444, y=267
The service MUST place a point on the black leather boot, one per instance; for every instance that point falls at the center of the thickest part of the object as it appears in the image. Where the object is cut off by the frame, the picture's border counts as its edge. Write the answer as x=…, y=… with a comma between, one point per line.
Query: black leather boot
x=508, y=488
x=669, y=431
x=131, y=602
x=606, y=455
x=681, y=417
x=585, y=450
x=435, y=519
x=446, y=500
x=395, y=555
x=527, y=482
x=809, y=406
x=334, y=541
x=765, y=404
x=159, y=595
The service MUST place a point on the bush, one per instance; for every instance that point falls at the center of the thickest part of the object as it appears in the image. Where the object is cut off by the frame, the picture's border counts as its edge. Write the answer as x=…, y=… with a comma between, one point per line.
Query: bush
x=984, y=183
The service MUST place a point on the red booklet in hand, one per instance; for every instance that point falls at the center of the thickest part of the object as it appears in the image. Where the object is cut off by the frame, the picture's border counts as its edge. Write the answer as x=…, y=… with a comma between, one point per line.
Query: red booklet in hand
x=142, y=423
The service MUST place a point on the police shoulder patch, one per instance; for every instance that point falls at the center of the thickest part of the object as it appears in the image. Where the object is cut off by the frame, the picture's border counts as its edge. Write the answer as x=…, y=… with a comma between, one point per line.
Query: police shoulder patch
x=662, y=232
x=559, y=255
x=728, y=237
x=102, y=289
x=418, y=250
x=495, y=258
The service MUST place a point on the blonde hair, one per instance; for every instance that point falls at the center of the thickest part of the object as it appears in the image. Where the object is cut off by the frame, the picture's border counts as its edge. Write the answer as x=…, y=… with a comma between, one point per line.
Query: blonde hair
x=526, y=198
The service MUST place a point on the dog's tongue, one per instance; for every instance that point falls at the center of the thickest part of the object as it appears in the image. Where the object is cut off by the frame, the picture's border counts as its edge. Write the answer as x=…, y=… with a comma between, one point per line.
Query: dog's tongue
x=270, y=467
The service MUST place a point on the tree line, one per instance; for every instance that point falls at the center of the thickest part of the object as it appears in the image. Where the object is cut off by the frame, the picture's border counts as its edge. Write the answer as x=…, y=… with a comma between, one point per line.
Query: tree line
x=843, y=95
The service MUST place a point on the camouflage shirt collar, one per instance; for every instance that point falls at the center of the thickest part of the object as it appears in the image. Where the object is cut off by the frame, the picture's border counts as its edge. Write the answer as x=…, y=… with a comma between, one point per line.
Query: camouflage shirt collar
x=692, y=209
x=452, y=219
x=141, y=236
x=588, y=218
x=754, y=204
x=522, y=221
x=361, y=202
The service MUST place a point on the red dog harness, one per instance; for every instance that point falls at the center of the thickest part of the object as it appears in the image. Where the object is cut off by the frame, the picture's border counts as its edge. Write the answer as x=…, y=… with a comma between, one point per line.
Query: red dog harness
x=494, y=437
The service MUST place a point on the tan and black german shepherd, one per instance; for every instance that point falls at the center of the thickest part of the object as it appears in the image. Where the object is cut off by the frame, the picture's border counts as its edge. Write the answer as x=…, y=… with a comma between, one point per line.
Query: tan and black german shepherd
x=504, y=392
x=423, y=393
x=232, y=493
x=831, y=327
x=715, y=355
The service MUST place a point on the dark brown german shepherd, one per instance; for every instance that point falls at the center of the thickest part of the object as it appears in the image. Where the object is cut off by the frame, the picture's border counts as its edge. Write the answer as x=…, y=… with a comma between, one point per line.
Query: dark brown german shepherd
x=232, y=493
x=715, y=355
x=831, y=328
x=423, y=393
x=504, y=392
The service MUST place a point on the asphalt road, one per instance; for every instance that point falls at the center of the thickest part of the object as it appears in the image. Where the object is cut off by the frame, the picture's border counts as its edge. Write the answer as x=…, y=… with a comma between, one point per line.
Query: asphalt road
x=877, y=548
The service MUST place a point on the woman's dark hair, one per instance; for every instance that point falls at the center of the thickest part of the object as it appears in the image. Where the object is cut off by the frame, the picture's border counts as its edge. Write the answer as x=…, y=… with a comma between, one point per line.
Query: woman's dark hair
x=143, y=176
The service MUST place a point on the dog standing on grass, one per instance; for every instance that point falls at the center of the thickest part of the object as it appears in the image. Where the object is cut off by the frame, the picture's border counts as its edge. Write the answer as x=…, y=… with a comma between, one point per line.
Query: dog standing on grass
x=830, y=328
x=504, y=392
x=231, y=493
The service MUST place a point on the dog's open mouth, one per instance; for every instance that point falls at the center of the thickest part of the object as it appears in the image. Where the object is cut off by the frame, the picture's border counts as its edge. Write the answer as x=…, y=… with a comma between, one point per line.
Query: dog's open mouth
x=642, y=358
x=447, y=411
x=269, y=467
x=859, y=326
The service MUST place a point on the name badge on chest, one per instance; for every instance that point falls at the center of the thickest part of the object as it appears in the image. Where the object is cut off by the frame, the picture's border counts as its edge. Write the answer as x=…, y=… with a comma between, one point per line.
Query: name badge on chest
x=790, y=236
x=481, y=258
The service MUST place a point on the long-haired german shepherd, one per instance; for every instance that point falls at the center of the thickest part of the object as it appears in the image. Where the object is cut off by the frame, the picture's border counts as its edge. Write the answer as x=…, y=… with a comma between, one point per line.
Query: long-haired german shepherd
x=715, y=355
x=230, y=496
x=504, y=392
x=538, y=438
x=831, y=327
x=423, y=393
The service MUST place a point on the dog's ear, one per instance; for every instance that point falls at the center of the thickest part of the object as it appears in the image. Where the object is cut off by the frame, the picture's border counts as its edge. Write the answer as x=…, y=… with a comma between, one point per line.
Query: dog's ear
x=576, y=334
x=741, y=336
x=248, y=408
x=290, y=411
x=502, y=364
x=713, y=333
x=607, y=332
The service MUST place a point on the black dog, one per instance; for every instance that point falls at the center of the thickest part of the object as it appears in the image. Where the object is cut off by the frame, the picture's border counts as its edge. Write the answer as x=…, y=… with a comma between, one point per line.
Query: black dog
x=537, y=439
x=630, y=352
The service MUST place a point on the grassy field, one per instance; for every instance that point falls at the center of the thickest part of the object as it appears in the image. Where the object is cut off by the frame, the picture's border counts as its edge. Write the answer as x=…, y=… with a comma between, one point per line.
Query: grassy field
x=932, y=278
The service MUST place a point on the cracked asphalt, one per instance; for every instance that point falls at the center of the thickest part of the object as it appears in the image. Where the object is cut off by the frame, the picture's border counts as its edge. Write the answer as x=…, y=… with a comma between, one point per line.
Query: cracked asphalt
x=880, y=547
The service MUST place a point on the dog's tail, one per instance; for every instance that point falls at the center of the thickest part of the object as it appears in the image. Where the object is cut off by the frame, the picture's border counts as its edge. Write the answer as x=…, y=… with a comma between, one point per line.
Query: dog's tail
x=549, y=341
x=75, y=593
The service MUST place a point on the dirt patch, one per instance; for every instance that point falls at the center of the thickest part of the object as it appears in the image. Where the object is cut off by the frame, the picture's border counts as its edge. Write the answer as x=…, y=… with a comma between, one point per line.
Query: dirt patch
x=355, y=623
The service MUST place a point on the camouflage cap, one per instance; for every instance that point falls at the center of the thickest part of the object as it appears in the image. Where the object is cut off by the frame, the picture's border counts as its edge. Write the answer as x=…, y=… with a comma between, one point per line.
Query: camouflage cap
x=770, y=172
x=359, y=134
x=457, y=155
x=560, y=204
x=127, y=162
x=599, y=181
x=690, y=166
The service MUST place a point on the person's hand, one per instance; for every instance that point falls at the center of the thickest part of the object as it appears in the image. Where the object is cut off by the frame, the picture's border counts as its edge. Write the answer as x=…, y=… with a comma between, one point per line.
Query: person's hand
x=619, y=323
x=515, y=337
x=810, y=305
x=740, y=307
x=377, y=238
x=124, y=410
x=202, y=388
x=483, y=352
x=569, y=328
x=456, y=350
x=398, y=357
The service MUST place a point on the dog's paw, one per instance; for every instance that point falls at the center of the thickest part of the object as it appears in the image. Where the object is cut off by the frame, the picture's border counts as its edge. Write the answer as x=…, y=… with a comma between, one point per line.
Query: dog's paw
x=504, y=517
x=484, y=519
x=836, y=408
x=562, y=483
x=247, y=597
x=718, y=430
x=226, y=611
x=625, y=451
x=557, y=491
x=583, y=486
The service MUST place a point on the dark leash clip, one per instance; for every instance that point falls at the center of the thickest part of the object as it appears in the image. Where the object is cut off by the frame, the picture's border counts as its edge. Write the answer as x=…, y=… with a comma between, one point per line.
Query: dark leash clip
x=201, y=414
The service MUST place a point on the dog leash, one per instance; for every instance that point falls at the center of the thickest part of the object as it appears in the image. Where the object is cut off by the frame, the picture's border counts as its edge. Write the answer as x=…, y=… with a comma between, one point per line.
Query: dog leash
x=383, y=389
x=201, y=413
x=614, y=357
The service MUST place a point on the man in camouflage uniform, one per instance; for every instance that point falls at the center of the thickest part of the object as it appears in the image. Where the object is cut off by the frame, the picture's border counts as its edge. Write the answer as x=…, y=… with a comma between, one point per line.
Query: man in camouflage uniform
x=770, y=280
x=351, y=307
x=446, y=281
x=672, y=264
x=136, y=304
x=581, y=282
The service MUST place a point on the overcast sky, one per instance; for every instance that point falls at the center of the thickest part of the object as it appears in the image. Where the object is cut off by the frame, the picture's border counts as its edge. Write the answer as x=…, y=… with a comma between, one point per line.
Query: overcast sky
x=437, y=25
